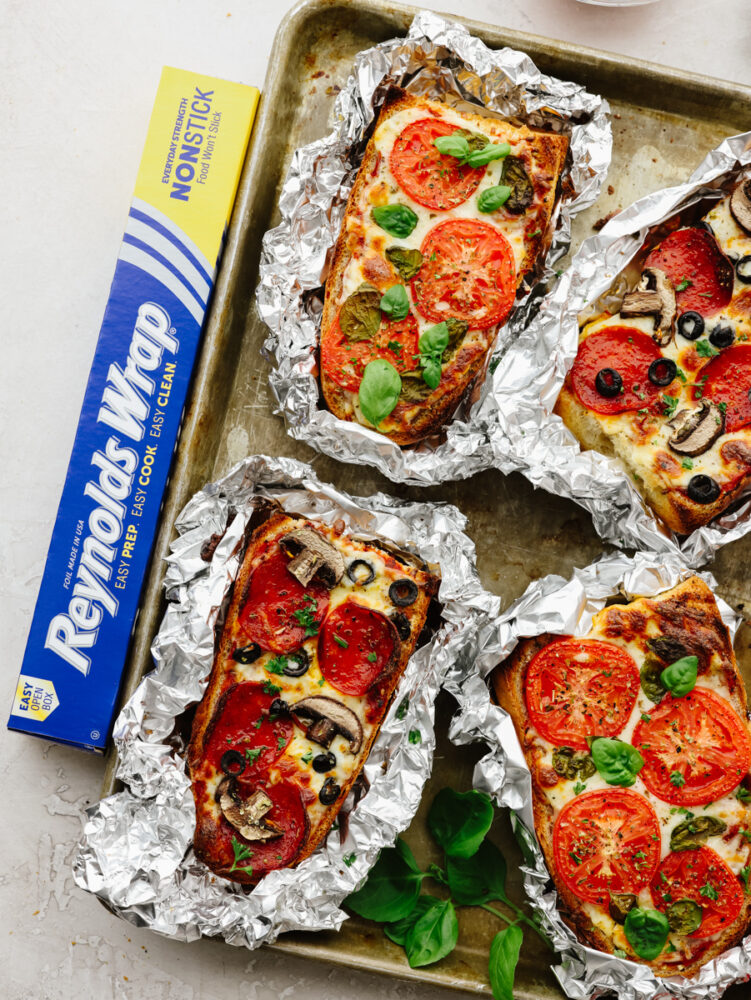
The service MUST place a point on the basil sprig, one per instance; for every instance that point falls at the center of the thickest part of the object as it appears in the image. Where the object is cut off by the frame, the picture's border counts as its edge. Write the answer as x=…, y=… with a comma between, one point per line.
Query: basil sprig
x=617, y=762
x=460, y=820
x=392, y=888
x=646, y=932
x=398, y=220
x=395, y=302
x=379, y=390
x=680, y=677
x=433, y=343
x=504, y=954
x=433, y=935
x=491, y=199
x=465, y=147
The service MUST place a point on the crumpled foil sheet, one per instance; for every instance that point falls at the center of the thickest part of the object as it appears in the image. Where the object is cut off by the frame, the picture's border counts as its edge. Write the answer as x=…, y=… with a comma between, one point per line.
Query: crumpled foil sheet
x=554, y=604
x=438, y=58
x=136, y=853
x=525, y=433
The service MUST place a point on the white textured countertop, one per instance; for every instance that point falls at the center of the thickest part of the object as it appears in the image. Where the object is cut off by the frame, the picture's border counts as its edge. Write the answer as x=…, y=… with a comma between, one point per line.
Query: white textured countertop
x=79, y=79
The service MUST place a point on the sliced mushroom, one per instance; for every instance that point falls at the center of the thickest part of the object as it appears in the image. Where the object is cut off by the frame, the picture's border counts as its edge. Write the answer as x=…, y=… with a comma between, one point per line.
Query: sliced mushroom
x=655, y=296
x=312, y=554
x=696, y=430
x=740, y=204
x=246, y=815
x=329, y=717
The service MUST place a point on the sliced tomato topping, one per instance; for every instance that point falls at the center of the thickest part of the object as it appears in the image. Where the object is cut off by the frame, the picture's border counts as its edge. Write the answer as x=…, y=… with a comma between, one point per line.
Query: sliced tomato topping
x=695, y=748
x=427, y=176
x=727, y=379
x=580, y=687
x=244, y=725
x=276, y=603
x=344, y=360
x=627, y=351
x=468, y=272
x=702, y=876
x=356, y=646
x=691, y=258
x=606, y=841
x=287, y=814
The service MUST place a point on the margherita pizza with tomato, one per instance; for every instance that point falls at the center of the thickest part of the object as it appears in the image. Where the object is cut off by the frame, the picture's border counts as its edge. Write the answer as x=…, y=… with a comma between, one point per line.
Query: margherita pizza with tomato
x=664, y=384
x=638, y=741
x=316, y=637
x=450, y=211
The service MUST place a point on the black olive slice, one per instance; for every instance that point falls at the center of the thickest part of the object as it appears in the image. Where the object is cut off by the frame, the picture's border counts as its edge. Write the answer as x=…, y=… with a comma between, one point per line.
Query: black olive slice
x=402, y=625
x=703, y=489
x=608, y=382
x=278, y=707
x=403, y=592
x=743, y=269
x=691, y=325
x=247, y=654
x=324, y=762
x=232, y=763
x=360, y=572
x=297, y=663
x=662, y=371
x=722, y=336
x=329, y=792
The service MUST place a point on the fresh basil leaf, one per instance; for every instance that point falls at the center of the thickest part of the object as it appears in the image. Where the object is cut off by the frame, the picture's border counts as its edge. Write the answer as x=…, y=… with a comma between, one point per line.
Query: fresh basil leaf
x=397, y=931
x=492, y=198
x=504, y=955
x=617, y=762
x=646, y=932
x=476, y=880
x=395, y=302
x=360, y=315
x=452, y=145
x=517, y=178
x=690, y=834
x=390, y=892
x=493, y=151
x=431, y=371
x=649, y=675
x=379, y=390
x=435, y=339
x=433, y=935
x=680, y=677
x=403, y=850
x=407, y=262
x=460, y=820
x=398, y=220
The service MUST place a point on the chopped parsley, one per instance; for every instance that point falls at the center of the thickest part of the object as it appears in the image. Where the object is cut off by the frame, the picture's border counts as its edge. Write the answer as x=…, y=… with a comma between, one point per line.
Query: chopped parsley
x=241, y=853
x=677, y=779
x=705, y=349
x=575, y=858
x=372, y=657
x=415, y=736
x=341, y=642
x=743, y=876
x=402, y=709
x=743, y=794
x=645, y=717
x=257, y=723
x=746, y=834
x=670, y=404
x=277, y=665
x=687, y=464
x=306, y=616
x=253, y=753
x=349, y=859
x=281, y=742
x=579, y=787
x=395, y=347
x=683, y=285
x=537, y=232
x=307, y=757
x=708, y=891
x=269, y=688
x=722, y=407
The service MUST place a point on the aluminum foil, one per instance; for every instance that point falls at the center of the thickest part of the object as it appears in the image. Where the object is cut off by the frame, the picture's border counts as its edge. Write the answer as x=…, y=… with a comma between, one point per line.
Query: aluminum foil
x=554, y=604
x=136, y=853
x=438, y=58
x=525, y=433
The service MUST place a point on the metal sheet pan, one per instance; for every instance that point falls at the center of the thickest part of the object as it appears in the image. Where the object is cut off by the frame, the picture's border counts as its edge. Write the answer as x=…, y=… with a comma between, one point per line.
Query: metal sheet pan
x=664, y=123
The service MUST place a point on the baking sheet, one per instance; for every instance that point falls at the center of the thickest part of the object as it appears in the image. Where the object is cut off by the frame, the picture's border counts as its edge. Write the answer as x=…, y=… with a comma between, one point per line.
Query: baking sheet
x=661, y=129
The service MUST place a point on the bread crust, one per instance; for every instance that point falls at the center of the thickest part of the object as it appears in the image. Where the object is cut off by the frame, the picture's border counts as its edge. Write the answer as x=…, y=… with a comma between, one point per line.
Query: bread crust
x=686, y=614
x=262, y=542
x=411, y=423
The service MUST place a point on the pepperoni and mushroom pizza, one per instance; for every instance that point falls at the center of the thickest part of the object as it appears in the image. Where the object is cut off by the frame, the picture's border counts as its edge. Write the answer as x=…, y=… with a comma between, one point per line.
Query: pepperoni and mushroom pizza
x=317, y=634
x=449, y=212
x=638, y=742
x=665, y=383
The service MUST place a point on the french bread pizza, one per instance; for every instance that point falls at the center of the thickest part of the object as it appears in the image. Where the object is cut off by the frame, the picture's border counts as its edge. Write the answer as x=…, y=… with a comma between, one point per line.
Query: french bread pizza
x=638, y=743
x=317, y=634
x=664, y=384
x=449, y=212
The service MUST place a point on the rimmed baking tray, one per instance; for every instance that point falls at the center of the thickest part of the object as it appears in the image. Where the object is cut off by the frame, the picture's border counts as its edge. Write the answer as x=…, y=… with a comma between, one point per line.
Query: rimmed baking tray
x=664, y=122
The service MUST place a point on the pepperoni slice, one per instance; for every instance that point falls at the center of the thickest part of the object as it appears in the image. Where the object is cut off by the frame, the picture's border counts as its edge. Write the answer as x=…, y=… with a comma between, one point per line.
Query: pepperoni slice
x=357, y=645
x=468, y=272
x=727, y=379
x=693, y=256
x=606, y=841
x=702, y=876
x=580, y=687
x=695, y=748
x=242, y=723
x=274, y=595
x=287, y=813
x=629, y=352
x=427, y=176
x=344, y=360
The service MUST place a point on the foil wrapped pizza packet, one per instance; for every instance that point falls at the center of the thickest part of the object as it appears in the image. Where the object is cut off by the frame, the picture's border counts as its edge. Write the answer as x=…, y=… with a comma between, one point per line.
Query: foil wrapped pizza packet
x=566, y=607
x=437, y=59
x=136, y=853
x=527, y=436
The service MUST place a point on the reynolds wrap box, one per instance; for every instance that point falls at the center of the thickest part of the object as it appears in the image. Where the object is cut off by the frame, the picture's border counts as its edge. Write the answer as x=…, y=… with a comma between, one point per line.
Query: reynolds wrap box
x=132, y=409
